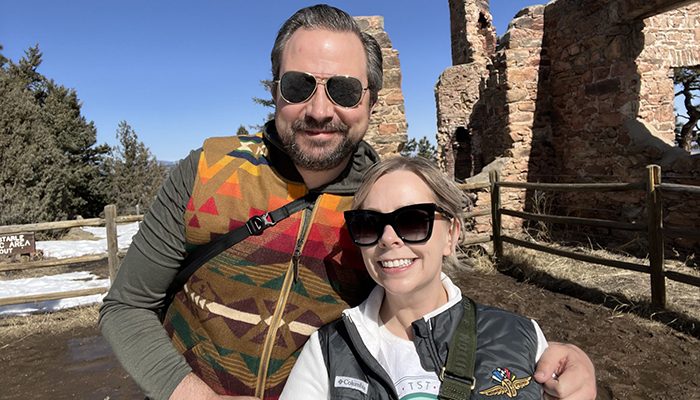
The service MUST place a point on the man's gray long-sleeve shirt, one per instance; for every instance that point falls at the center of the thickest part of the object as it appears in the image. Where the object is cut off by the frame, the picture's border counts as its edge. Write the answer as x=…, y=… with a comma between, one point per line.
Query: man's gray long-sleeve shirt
x=128, y=316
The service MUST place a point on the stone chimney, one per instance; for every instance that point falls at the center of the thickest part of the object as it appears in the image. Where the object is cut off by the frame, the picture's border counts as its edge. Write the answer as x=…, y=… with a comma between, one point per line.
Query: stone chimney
x=387, y=126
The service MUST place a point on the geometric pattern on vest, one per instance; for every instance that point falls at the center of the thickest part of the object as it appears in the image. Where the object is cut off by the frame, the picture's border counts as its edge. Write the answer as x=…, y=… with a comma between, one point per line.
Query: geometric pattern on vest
x=232, y=308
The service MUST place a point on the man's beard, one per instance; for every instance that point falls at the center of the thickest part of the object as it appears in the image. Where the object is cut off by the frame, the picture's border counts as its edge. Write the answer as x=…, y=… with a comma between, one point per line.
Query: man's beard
x=314, y=161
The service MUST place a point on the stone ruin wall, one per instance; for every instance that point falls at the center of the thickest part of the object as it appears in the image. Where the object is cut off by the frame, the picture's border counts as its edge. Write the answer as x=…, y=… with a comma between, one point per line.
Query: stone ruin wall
x=599, y=82
x=458, y=89
x=612, y=100
x=457, y=93
x=513, y=99
x=387, y=126
x=490, y=101
x=671, y=40
x=472, y=34
x=580, y=93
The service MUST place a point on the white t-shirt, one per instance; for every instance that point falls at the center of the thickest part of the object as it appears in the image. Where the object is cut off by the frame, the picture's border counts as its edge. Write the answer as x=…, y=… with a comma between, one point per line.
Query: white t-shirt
x=399, y=358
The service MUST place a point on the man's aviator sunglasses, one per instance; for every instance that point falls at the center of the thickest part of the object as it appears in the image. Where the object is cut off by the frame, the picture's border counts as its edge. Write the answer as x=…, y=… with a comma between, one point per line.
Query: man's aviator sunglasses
x=298, y=87
x=413, y=224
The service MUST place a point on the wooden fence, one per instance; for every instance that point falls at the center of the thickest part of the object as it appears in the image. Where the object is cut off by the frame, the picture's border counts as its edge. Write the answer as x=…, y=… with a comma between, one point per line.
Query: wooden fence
x=653, y=226
x=110, y=222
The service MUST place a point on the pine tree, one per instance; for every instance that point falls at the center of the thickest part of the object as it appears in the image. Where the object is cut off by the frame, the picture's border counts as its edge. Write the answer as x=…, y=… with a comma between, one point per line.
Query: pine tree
x=242, y=131
x=687, y=129
x=269, y=85
x=50, y=164
x=421, y=148
x=135, y=174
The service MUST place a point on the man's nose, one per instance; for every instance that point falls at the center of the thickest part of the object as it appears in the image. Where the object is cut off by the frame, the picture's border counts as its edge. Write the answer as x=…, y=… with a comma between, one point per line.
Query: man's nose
x=320, y=107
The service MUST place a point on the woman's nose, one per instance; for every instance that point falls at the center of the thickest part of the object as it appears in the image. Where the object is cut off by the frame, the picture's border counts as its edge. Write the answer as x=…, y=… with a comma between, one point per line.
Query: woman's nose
x=389, y=237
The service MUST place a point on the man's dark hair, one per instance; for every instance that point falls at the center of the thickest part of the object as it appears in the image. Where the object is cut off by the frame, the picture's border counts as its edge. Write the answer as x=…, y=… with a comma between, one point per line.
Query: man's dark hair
x=323, y=16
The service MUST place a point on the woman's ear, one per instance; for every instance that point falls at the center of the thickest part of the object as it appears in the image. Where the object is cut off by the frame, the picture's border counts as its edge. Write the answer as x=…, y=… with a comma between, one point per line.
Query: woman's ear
x=453, y=236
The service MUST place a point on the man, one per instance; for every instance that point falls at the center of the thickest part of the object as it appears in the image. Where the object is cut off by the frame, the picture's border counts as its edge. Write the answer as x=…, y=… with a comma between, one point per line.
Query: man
x=238, y=324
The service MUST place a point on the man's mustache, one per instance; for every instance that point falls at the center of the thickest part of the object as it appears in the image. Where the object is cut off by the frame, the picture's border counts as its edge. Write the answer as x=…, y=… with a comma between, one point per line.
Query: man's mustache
x=312, y=125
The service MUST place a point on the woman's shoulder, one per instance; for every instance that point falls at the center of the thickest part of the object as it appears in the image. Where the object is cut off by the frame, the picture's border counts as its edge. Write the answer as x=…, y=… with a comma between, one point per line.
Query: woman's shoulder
x=497, y=312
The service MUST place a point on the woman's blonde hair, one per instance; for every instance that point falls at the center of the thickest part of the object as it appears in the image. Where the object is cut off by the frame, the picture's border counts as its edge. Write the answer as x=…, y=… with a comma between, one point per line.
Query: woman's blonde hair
x=445, y=191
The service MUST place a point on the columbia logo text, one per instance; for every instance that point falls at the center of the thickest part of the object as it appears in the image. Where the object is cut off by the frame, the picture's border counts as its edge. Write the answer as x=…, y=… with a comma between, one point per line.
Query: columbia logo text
x=351, y=383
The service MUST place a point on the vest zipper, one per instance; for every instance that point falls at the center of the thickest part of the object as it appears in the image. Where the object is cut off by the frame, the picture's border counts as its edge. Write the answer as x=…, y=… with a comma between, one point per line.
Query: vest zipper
x=295, y=264
x=432, y=348
x=367, y=358
x=289, y=279
x=305, y=222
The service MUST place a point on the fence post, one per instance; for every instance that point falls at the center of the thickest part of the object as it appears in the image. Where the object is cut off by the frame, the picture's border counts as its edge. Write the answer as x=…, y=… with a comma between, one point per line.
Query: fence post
x=656, y=238
x=112, y=246
x=496, y=215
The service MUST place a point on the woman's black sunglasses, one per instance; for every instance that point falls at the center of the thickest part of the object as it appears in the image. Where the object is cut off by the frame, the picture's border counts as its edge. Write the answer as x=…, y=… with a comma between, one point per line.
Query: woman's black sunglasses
x=413, y=224
x=298, y=87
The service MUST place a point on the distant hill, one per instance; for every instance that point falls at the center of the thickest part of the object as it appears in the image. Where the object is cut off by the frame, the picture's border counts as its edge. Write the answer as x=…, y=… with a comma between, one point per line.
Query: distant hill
x=168, y=165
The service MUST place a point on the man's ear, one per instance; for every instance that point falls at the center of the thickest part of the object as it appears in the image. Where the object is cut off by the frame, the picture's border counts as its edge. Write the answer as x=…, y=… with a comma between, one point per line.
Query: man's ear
x=273, y=91
x=371, y=107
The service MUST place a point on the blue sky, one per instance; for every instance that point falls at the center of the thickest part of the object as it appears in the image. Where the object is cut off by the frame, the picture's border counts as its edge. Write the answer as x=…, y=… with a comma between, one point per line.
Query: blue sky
x=180, y=71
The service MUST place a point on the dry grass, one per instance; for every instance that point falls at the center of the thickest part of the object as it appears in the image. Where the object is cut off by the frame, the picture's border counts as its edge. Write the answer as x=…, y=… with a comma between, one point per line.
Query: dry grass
x=16, y=328
x=477, y=258
x=618, y=289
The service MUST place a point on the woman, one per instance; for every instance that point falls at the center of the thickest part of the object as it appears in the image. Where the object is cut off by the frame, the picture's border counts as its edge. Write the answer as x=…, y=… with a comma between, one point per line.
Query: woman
x=406, y=218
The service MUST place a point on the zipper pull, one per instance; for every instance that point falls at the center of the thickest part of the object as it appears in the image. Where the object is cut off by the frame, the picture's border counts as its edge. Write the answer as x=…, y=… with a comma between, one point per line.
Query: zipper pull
x=295, y=263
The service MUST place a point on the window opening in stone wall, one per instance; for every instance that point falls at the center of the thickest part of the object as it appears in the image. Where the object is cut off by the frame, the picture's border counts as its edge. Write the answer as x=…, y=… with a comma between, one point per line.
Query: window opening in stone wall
x=686, y=82
x=464, y=165
x=483, y=22
x=486, y=31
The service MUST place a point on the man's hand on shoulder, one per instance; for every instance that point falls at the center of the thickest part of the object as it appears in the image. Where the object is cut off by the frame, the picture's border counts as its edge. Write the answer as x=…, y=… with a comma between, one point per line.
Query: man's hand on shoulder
x=193, y=388
x=566, y=373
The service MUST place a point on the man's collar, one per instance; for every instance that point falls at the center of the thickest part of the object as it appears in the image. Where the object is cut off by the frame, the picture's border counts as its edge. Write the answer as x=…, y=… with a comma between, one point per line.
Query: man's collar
x=279, y=160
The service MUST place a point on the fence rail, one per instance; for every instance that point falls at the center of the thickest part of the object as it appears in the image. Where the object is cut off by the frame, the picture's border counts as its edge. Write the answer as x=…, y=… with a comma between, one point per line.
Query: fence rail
x=112, y=255
x=53, y=262
x=599, y=223
x=75, y=223
x=576, y=187
x=6, y=301
x=577, y=256
x=675, y=187
x=656, y=232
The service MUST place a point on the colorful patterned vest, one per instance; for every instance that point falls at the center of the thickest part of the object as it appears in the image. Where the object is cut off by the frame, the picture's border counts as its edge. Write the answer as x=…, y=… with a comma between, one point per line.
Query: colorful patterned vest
x=242, y=318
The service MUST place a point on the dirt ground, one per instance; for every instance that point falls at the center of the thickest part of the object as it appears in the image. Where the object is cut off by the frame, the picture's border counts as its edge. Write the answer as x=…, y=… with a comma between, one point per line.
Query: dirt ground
x=634, y=357
x=76, y=364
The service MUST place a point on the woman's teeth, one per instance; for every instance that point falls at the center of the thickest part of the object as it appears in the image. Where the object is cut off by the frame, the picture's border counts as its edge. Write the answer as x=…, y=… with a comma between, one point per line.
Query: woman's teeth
x=396, y=263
